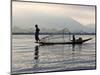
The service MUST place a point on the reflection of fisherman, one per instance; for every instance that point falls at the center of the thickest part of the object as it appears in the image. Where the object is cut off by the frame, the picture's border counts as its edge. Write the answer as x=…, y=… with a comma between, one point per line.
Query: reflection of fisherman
x=36, y=57
x=36, y=53
x=73, y=38
x=37, y=33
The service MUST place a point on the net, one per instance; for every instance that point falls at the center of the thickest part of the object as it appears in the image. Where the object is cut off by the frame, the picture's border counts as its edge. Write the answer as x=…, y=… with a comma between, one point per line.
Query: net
x=58, y=36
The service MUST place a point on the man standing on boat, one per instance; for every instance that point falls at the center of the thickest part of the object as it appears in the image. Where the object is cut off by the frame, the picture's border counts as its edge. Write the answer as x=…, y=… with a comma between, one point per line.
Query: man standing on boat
x=37, y=33
x=73, y=38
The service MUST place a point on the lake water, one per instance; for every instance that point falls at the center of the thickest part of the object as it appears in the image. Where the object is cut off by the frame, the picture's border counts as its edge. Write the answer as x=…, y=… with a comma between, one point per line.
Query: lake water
x=29, y=57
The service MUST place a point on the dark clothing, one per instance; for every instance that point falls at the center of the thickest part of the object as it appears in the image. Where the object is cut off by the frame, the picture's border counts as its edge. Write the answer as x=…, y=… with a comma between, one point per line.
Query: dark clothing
x=37, y=34
x=80, y=39
x=37, y=30
x=73, y=38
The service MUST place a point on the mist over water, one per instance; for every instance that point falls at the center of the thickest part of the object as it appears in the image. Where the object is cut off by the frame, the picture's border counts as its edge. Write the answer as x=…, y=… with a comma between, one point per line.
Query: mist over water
x=29, y=57
x=51, y=17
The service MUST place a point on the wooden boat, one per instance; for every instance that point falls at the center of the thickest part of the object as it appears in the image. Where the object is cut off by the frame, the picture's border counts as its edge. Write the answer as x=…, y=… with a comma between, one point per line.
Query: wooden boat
x=71, y=42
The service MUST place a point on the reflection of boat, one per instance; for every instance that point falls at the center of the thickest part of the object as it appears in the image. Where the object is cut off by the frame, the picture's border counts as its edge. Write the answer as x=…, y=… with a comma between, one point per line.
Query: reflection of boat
x=71, y=42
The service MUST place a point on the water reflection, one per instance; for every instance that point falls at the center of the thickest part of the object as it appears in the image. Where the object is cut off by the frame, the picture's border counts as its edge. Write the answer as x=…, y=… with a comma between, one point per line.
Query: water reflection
x=73, y=47
x=79, y=47
x=36, y=56
x=76, y=51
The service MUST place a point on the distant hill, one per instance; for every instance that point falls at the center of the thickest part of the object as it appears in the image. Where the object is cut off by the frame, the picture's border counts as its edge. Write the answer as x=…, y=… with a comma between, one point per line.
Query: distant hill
x=56, y=24
x=89, y=28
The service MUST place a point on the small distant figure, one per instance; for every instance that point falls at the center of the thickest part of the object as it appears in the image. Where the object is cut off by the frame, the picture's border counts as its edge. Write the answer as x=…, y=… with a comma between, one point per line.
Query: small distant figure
x=37, y=33
x=73, y=38
x=79, y=39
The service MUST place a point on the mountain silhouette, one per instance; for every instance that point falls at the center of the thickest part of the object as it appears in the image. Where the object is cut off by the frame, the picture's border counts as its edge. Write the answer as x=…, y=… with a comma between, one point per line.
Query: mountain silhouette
x=52, y=24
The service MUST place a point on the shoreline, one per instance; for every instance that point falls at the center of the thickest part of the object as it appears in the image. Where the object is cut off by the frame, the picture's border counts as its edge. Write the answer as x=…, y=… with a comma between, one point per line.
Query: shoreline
x=54, y=34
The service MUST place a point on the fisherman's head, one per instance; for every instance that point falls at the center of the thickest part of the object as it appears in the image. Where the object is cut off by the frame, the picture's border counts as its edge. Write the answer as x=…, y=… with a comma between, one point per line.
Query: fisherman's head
x=36, y=25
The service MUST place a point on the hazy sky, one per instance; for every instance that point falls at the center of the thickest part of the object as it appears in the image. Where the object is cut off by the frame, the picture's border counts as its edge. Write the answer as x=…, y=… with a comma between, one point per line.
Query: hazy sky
x=26, y=14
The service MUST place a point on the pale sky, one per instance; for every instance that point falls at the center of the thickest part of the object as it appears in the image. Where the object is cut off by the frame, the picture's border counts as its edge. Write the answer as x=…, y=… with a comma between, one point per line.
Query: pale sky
x=24, y=13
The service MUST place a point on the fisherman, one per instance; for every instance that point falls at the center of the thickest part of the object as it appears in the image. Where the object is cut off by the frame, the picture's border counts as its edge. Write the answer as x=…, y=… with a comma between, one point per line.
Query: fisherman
x=79, y=39
x=73, y=38
x=37, y=33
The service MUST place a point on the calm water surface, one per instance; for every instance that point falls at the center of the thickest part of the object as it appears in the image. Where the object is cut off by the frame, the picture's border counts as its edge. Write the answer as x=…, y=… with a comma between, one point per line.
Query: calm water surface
x=29, y=57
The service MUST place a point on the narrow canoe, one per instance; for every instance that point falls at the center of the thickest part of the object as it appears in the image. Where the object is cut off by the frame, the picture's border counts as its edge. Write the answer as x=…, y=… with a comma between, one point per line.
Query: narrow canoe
x=71, y=42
